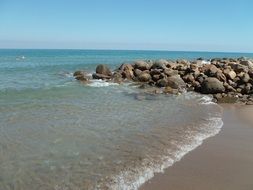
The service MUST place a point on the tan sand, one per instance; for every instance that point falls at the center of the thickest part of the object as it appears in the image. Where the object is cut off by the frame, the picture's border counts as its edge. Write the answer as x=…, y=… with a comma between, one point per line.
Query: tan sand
x=223, y=162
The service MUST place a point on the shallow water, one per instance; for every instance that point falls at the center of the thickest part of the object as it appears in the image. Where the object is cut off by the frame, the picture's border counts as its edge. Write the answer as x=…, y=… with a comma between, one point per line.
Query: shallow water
x=56, y=133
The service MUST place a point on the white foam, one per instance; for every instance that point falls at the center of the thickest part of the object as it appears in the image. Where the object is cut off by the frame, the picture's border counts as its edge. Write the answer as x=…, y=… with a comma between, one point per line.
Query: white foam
x=101, y=83
x=206, y=100
x=144, y=174
x=205, y=62
x=132, y=179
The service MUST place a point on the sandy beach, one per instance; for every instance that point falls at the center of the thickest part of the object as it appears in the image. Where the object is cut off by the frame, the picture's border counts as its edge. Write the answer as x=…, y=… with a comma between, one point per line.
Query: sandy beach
x=222, y=162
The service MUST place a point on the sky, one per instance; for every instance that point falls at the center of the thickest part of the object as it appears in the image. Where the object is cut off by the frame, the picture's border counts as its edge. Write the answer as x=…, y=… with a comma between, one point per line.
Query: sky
x=180, y=25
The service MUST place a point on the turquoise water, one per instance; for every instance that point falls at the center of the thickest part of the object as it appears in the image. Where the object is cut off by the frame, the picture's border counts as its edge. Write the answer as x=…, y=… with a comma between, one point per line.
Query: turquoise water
x=21, y=69
x=56, y=133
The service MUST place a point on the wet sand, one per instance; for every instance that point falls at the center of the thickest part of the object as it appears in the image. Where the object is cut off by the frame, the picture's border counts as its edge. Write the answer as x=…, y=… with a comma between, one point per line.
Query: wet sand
x=223, y=162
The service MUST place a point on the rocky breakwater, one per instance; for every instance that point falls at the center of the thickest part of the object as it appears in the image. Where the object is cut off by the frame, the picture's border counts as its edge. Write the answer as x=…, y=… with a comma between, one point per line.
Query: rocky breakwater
x=227, y=80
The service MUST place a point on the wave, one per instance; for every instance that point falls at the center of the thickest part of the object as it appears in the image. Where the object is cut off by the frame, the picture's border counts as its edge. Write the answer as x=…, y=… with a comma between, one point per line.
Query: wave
x=101, y=83
x=133, y=178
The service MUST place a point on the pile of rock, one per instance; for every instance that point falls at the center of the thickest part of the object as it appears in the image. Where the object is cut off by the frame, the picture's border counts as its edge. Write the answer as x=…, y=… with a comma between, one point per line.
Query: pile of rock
x=228, y=80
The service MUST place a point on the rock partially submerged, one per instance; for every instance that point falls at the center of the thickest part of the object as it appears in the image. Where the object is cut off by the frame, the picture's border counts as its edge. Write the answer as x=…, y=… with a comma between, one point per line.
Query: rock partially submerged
x=228, y=80
x=82, y=76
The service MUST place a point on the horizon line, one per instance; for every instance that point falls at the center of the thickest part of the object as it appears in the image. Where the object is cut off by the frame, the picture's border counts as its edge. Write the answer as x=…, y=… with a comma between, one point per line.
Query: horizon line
x=101, y=49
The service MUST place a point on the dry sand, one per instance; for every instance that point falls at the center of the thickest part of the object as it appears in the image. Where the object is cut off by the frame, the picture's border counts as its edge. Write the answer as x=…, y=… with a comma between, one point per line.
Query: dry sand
x=223, y=162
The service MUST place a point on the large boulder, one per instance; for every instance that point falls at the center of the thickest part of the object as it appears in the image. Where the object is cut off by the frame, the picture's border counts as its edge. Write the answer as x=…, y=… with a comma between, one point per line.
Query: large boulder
x=247, y=63
x=160, y=64
x=212, y=85
x=127, y=71
x=176, y=82
x=211, y=70
x=144, y=77
x=103, y=70
x=142, y=65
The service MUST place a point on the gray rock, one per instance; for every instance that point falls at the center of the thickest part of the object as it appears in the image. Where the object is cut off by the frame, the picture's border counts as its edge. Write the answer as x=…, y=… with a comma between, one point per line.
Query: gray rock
x=212, y=85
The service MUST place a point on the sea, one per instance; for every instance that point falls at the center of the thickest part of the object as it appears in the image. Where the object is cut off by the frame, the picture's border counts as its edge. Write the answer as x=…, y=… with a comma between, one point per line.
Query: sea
x=59, y=134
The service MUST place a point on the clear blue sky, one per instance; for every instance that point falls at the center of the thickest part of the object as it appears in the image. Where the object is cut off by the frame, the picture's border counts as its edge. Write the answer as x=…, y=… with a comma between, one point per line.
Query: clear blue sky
x=207, y=25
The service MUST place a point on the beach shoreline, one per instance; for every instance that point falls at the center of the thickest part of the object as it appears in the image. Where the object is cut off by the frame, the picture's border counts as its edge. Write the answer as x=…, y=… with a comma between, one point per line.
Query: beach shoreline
x=221, y=162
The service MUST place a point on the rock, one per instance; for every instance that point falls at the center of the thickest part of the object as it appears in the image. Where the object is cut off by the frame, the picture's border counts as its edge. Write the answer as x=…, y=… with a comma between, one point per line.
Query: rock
x=100, y=76
x=169, y=90
x=183, y=62
x=249, y=103
x=231, y=75
x=211, y=70
x=128, y=74
x=156, y=77
x=221, y=77
x=171, y=65
x=238, y=68
x=201, y=77
x=127, y=71
x=245, y=77
x=144, y=77
x=142, y=65
x=162, y=82
x=103, y=70
x=189, y=78
x=247, y=63
x=82, y=76
x=230, y=88
x=227, y=100
x=137, y=72
x=155, y=71
x=176, y=82
x=232, y=83
x=239, y=90
x=117, y=77
x=170, y=72
x=160, y=64
x=79, y=73
x=196, y=84
x=212, y=85
x=126, y=66
x=247, y=89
